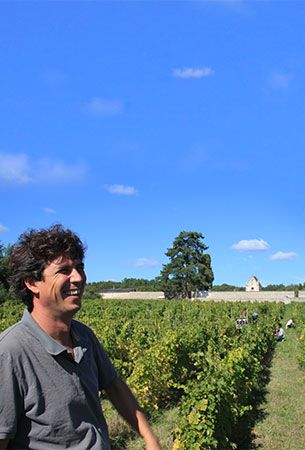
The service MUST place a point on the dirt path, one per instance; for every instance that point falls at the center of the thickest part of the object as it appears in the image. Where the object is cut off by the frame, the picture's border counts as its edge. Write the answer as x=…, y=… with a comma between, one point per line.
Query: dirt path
x=283, y=425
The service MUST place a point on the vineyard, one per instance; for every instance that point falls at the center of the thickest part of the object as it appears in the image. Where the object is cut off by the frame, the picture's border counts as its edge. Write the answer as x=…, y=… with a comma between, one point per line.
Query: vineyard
x=298, y=312
x=188, y=355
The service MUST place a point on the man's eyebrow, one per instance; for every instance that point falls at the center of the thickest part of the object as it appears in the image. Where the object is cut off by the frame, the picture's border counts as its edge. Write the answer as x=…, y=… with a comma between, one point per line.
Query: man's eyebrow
x=64, y=265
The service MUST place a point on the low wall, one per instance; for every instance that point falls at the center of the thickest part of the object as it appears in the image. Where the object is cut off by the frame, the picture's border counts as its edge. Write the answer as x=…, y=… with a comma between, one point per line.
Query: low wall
x=135, y=295
x=250, y=296
x=225, y=296
x=299, y=298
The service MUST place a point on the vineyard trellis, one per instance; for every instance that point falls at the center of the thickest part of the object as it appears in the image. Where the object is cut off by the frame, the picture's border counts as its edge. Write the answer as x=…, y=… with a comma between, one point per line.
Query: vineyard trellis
x=188, y=354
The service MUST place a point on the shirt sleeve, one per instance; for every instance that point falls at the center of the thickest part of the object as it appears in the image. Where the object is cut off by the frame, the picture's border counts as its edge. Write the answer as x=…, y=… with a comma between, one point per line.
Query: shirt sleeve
x=10, y=397
x=106, y=370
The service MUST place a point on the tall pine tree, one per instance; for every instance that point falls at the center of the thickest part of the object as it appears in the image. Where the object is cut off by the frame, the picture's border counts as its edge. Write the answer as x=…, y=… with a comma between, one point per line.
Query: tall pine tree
x=189, y=269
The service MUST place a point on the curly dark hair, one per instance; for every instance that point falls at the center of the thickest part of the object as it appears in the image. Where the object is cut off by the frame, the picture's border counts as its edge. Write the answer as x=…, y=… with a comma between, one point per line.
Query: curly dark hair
x=34, y=250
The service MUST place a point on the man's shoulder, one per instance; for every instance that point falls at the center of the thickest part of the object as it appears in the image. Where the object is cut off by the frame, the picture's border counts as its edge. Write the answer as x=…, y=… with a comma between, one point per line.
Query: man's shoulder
x=12, y=338
x=10, y=332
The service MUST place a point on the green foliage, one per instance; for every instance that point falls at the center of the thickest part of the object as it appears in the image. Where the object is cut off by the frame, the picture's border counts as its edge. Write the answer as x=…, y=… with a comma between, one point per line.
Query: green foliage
x=93, y=290
x=188, y=354
x=10, y=313
x=140, y=284
x=282, y=287
x=227, y=287
x=223, y=389
x=183, y=353
x=4, y=285
x=189, y=269
x=298, y=317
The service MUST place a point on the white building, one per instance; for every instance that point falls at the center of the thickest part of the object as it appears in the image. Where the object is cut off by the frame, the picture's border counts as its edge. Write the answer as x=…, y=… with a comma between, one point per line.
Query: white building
x=253, y=284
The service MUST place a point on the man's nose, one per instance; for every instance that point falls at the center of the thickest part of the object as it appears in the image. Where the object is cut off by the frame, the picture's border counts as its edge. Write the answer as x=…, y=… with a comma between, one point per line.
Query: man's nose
x=77, y=275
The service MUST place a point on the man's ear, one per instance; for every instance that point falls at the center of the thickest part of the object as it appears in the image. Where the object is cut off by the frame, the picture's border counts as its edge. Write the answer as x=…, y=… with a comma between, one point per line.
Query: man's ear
x=32, y=285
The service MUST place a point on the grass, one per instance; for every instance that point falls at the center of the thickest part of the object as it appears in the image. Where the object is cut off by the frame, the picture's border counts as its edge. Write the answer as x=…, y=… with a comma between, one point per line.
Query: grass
x=163, y=428
x=283, y=412
x=123, y=438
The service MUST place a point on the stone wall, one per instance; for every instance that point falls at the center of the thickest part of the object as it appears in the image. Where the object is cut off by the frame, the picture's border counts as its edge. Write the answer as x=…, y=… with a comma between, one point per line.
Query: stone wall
x=136, y=295
x=232, y=296
x=250, y=296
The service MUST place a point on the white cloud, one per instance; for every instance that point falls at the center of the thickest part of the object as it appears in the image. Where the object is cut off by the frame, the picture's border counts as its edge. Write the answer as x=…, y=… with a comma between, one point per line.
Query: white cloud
x=103, y=107
x=246, y=245
x=120, y=189
x=47, y=170
x=14, y=168
x=49, y=210
x=189, y=72
x=280, y=80
x=280, y=256
x=3, y=228
x=146, y=262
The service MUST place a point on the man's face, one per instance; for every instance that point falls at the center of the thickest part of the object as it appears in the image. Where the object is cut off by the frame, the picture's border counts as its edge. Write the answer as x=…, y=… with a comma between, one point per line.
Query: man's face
x=62, y=286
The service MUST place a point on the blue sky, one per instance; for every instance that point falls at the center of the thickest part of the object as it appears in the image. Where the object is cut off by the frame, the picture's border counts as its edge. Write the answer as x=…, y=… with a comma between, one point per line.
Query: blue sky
x=132, y=121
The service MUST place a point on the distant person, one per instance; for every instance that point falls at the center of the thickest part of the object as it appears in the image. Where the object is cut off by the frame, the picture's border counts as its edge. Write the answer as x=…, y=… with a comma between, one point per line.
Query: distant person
x=279, y=333
x=254, y=316
x=243, y=320
x=290, y=324
x=53, y=367
x=244, y=314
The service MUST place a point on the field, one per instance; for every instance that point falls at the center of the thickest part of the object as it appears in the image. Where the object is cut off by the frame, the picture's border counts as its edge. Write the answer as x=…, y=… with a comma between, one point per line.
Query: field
x=190, y=367
x=281, y=414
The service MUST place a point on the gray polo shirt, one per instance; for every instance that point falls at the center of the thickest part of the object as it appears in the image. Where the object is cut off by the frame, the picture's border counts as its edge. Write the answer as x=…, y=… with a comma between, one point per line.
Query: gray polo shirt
x=47, y=399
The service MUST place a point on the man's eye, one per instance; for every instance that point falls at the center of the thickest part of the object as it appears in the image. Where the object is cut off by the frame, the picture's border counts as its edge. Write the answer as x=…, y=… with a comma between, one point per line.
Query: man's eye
x=65, y=270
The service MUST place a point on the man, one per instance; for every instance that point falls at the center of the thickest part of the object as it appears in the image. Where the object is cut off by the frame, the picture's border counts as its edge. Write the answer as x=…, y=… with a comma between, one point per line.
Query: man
x=279, y=333
x=51, y=366
x=289, y=324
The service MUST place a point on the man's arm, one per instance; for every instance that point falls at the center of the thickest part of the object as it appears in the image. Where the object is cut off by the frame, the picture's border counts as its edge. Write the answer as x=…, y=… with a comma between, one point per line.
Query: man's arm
x=3, y=444
x=127, y=406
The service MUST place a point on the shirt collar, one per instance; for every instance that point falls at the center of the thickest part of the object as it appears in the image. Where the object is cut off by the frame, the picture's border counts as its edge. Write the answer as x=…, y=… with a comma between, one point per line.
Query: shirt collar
x=51, y=345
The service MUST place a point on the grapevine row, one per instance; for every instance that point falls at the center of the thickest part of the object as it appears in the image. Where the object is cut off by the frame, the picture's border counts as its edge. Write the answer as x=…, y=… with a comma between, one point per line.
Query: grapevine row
x=184, y=353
